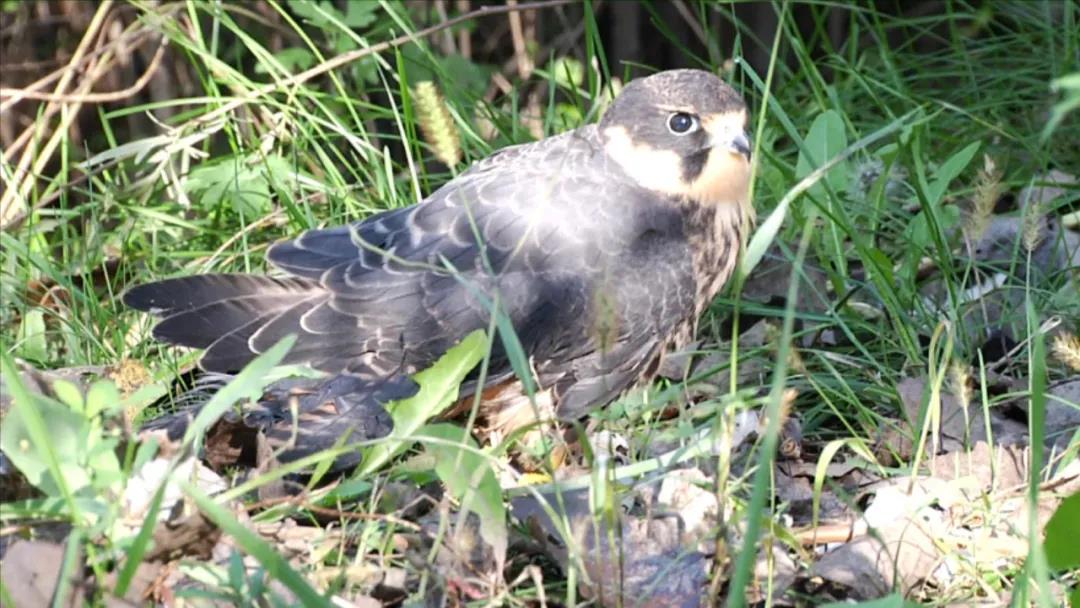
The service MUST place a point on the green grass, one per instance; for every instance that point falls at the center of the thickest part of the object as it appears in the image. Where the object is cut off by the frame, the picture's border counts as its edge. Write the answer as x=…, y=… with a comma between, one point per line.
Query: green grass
x=259, y=155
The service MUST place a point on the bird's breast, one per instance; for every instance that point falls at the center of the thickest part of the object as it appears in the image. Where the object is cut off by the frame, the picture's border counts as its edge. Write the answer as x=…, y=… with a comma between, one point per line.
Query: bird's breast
x=715, y=235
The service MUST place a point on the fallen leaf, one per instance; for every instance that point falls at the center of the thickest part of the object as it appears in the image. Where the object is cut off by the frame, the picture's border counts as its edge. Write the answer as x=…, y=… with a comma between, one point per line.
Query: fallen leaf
x=192, y=536
x=769, y=281
x=994, y=467
x=684, y=492
x=961, y=426
x=465, y=565
x=145, y=585
x=231, y=442
x=898, y=553
x=633, y=561
x=141, y=487
x=648, y=566
x=796, y=493
x=31, y=572
x=774, y=574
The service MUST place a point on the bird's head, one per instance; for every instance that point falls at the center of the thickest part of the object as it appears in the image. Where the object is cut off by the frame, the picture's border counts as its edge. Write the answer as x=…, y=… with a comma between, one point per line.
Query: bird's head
x=681, y=133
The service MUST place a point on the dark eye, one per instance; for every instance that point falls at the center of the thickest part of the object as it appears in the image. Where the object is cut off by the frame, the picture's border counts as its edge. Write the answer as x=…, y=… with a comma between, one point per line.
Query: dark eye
x=681, y=123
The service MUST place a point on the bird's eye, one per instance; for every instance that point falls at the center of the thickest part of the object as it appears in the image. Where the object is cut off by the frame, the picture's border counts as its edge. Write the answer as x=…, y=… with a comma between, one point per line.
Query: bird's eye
x=681, y=123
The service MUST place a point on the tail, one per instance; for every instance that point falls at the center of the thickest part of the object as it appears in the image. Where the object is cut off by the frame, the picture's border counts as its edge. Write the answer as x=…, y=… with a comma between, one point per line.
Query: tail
x=221, y=312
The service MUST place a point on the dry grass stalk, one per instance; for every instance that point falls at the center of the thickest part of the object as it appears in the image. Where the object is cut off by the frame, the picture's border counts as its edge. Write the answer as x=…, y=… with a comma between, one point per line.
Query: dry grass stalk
x=987, y=193
x=1066, y=348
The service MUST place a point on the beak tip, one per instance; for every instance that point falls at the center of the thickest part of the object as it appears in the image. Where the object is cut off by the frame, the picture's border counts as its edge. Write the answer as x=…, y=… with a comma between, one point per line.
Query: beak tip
x=741, y=145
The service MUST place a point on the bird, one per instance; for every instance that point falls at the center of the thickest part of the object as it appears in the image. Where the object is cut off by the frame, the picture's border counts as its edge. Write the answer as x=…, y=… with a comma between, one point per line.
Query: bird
x=602, y=246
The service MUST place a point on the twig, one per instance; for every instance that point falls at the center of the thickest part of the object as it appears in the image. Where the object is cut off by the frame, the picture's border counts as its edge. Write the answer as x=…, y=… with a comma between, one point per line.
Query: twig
x=131, y=38
x=12, y=201
x=326, y=512
x=109, y=97
x=464, y=36
x=831, y=533
x=521, y=52
x=298, y=502
x=691, y=21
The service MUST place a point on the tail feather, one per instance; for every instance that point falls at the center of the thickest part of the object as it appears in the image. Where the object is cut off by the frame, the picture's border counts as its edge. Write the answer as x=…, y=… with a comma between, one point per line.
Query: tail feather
x=221, y=312
x=233, y=350
x=169, y=296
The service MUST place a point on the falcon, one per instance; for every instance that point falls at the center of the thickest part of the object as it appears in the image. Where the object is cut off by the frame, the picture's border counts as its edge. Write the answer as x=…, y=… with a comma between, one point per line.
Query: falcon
x=602, y=246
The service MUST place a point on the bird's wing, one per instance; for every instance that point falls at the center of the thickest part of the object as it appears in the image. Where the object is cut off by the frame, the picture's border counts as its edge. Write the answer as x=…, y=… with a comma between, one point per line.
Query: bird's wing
x=569, y=246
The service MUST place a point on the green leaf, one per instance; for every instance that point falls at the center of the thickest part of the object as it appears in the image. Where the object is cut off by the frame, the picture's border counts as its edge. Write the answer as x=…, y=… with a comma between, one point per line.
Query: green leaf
x=917, y=233
x=438, y=390
x=827, y=138
x=1070, y=87
x=889, y=601
x=102, y=397
x=65, y=434
x=950, y=170
x=1062, y=532
x=231, y=181
x=31, y=340
x=569, y=73
x=295, y=59
x=69, y=394
x=360, y=14
x=310, y=10
x=470, y=478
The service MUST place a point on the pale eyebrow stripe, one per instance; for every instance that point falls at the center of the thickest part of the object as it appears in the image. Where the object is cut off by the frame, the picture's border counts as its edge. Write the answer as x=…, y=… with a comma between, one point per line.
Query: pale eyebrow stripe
x=677, y=109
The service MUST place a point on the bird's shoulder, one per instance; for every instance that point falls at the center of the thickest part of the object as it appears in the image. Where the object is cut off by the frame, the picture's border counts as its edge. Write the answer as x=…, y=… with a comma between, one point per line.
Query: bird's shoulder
x=561, y=194
x=580, y=147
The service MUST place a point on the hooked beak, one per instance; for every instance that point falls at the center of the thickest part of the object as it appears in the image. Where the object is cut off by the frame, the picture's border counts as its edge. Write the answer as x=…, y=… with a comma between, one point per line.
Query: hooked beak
x=741, y=144
x=735, y=141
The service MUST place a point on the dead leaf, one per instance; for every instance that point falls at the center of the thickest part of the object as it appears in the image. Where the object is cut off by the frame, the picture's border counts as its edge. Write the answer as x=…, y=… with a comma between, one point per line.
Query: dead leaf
x=990, y=304
x=633, y=561
x=141, y=487
x=647, y=567
x=145, y=585
x=193, y=536
x=768, y=283
x=996, y=467
x=961, y=425
x=303, y=544
x=393, y=588
x=231, y=442
x=797, y=494
x=774, y=573
x=465, y=567
x=900, y=549
x=31, y=572
x=685, y=493
x=901, y=554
